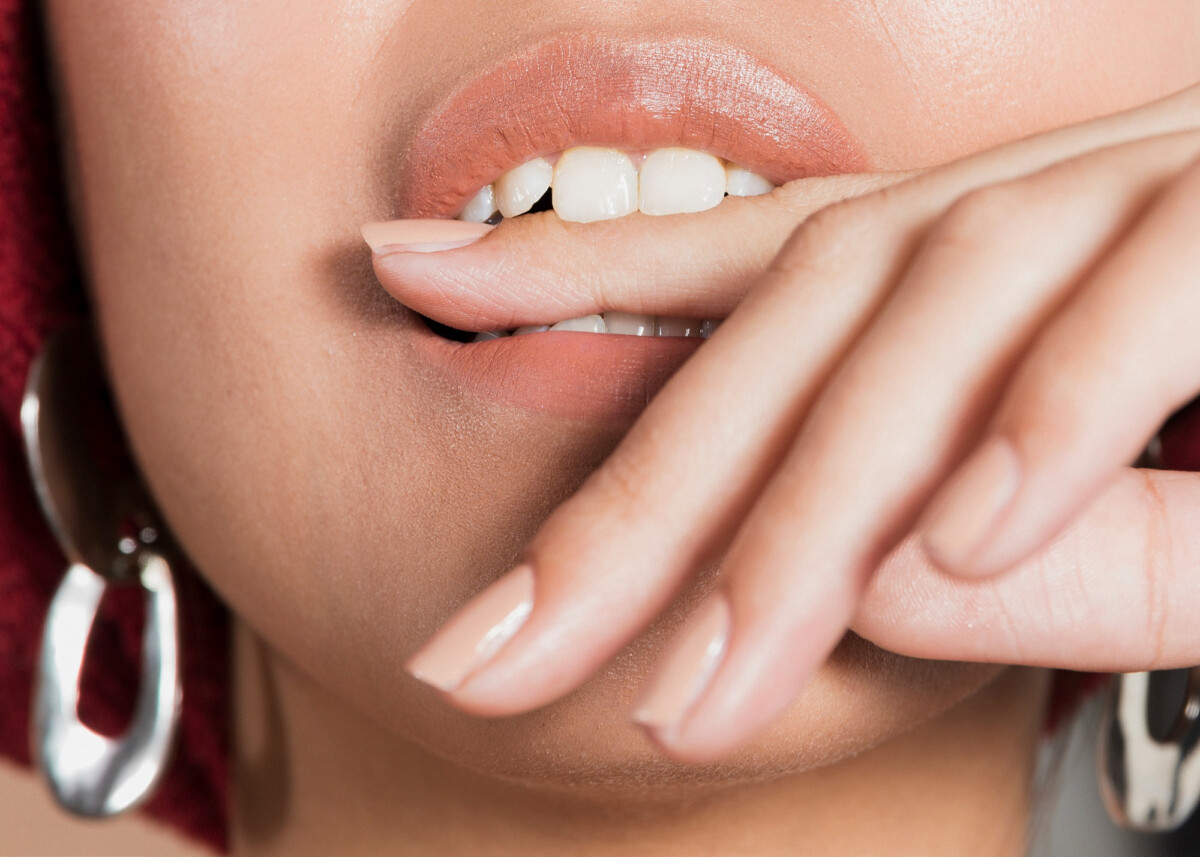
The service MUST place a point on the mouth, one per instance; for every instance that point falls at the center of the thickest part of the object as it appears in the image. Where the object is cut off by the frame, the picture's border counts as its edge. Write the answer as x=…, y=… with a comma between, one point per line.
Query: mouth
x=579, y=139
x=588, y=184
x=583, y=90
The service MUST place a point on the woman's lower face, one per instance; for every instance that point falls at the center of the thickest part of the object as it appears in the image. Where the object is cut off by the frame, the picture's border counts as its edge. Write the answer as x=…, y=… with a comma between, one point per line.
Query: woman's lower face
x=344, y=483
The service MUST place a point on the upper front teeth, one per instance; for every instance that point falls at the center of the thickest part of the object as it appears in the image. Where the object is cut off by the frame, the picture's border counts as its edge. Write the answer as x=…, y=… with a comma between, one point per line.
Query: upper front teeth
x=518, y=190
x=591, y=183
x=678, y=181
x=594, y=184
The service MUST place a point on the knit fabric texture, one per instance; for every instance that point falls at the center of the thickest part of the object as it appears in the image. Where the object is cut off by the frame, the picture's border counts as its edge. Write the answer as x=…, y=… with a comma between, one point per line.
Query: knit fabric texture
x=39, y=290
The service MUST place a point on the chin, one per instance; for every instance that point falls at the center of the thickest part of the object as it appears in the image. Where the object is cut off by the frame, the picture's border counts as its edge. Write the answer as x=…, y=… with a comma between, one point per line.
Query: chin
x=586, y=745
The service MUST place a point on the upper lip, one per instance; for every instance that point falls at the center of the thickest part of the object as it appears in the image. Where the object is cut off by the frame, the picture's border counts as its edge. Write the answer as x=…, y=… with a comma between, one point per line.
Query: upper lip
x=635, y=94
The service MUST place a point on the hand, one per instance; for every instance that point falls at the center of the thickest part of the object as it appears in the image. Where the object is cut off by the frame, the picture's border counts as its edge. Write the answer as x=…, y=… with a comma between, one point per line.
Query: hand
x=985, y=345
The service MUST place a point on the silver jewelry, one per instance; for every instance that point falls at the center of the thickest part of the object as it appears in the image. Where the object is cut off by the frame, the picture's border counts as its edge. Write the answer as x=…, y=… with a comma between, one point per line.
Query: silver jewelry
x=107, y=526
x=1149, y=751
x=1148, y=756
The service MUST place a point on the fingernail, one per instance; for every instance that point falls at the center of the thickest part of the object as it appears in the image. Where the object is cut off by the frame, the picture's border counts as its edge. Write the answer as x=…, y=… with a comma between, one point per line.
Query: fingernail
x=475, y=634
x=968, y=508
x=422, y=236
x=688, y=669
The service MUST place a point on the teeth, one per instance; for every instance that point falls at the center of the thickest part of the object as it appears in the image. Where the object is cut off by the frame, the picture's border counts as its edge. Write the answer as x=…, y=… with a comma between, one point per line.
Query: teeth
x=742, y=182
x=585, y=324
x=518, y=190
x=686, y=327
x=621, y=323
x=594, y=184
x=531, y=328
x=481, y=207
x=629, y=323
x=680, y=181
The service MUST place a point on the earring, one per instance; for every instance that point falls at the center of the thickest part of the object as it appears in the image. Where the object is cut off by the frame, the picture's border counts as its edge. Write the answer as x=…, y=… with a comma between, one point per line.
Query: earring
x=1149, y=750
x=110, y=531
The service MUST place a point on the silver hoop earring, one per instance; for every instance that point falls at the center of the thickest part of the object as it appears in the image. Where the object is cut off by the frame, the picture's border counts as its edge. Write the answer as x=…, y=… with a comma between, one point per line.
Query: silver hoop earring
x=107, y=525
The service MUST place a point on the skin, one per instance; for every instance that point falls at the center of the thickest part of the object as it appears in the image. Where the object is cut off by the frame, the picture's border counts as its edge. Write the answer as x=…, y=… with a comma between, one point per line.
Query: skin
x=345, y=505
x=818, y=485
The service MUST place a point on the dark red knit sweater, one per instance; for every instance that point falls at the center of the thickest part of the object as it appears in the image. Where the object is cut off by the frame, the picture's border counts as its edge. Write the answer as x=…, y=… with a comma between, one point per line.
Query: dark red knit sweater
x=39, y=287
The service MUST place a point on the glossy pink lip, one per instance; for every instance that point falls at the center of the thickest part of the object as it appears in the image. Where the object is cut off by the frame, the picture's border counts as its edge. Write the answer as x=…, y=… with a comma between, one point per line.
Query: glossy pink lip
x=601, y=90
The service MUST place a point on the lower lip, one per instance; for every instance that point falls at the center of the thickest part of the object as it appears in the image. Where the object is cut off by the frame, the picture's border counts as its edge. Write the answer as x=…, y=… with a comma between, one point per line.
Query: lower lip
x=592, y=376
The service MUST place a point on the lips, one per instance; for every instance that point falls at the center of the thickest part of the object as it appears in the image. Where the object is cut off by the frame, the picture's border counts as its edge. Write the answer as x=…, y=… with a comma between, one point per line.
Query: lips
x=604, y=91
x=597, y=91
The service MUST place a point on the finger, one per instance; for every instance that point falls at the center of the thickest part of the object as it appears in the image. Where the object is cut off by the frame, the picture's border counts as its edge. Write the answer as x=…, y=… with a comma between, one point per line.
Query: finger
x=1099, y=381
x=537, y=269
x=613, y=557
x=610, y=559
x=1117, y=591
x=917, y=385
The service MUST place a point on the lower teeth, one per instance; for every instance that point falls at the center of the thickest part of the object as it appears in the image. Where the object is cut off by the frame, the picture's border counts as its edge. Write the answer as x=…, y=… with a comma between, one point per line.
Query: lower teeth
x=618, y=323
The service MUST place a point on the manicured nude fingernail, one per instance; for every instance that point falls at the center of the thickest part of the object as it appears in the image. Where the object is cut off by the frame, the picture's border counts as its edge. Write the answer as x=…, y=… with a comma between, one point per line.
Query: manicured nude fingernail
x=422, y=236
x=967, y=510
x=475, y=634
x=688, y=669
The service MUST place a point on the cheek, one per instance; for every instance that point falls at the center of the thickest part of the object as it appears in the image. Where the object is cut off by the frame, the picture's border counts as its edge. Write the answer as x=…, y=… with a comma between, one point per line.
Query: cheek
x=326, y=488
x=220, y=184
x=965, y=75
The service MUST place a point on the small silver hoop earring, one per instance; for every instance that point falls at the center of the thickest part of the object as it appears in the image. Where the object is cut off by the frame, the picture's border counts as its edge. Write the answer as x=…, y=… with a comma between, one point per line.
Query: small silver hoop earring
x=107, y=526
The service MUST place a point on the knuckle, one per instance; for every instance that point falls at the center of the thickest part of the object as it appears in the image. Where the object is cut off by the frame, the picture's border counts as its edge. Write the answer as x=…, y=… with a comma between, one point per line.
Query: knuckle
x=1036, y=415
x=622, y=484
x=609, y=500
x=1052, y=401
x=830, y=239
x=972, y=222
